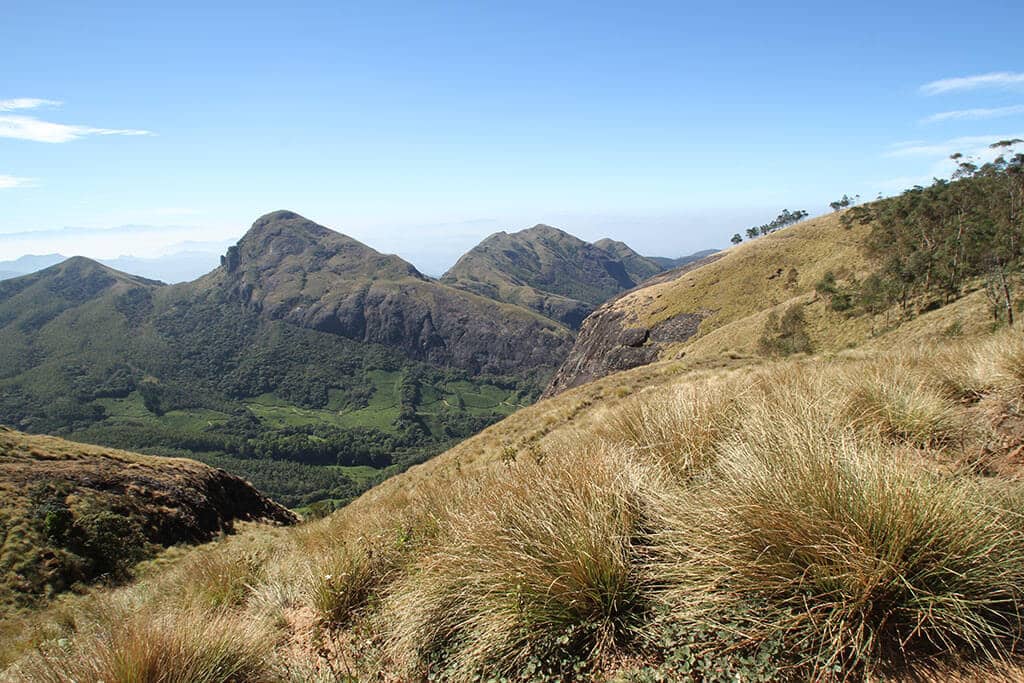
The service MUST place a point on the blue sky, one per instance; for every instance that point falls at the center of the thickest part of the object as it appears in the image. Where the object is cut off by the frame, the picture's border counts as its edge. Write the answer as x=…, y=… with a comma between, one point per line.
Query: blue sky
x=420, y=128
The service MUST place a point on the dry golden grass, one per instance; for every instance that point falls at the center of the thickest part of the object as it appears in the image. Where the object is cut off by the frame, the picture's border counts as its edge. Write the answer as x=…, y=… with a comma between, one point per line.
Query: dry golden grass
x=126, y=644
x=753, y=276
x=855, y=560
x=812, y=505
x=899, y=402
x=536, y=564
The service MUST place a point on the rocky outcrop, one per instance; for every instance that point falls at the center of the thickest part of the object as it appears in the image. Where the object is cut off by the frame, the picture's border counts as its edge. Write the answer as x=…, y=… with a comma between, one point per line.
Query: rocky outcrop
x=606, y=344
x=611, y=339
x=175, y=500
x=85, y=513
x=442, y=326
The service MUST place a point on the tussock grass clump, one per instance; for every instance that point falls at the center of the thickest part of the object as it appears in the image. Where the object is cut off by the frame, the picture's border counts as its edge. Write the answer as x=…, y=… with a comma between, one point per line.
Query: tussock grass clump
x=190, y=646
x=344, y=583
x=221, y=577
x=901, y=404
x=353, y=563
x=855, y=559
x=970, y=371
x=1002, y=360
x=957, y=371
x=535, y=573
x=680, y=428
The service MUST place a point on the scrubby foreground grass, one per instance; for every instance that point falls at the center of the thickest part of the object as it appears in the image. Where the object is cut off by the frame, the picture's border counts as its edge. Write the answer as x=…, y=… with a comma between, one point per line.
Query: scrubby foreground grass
x=853, y=517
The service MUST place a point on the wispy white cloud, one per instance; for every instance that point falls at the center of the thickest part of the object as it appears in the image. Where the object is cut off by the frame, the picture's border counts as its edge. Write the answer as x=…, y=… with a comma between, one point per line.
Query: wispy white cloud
x=27, y=103
x=998, y=80
x=36, y=130
x=934, y=157
x=8, y=182
x=967, y=145
x=974, y=114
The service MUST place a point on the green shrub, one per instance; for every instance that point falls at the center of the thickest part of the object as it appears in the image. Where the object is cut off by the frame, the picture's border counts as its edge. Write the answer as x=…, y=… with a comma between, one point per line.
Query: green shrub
x=785, y=336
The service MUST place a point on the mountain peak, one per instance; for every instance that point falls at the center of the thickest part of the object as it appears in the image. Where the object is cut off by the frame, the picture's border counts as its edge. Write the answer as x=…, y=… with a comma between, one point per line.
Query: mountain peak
x=80, y=262
x=81, y=267
x=549, y=231
x=549, y=271
x=283, y=222
x=285, y=236
x=284, y=262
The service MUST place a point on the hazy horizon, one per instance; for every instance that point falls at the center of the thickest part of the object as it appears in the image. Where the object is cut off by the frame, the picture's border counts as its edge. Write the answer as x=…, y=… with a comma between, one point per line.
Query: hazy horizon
x=420, y=130
x=190, y=260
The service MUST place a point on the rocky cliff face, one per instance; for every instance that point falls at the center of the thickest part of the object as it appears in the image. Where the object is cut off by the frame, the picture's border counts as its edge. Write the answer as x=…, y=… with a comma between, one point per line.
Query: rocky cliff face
x=289, y=268
x=612, y=339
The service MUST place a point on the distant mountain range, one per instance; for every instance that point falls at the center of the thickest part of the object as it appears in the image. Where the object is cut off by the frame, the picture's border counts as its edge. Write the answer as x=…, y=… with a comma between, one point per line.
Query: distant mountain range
x=182, y=266
x=191, y=264
x=302, y=345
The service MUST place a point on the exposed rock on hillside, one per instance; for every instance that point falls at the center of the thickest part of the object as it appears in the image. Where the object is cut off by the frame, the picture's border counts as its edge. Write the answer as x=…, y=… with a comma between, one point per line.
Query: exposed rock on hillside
x=607, y=344
x=612, y=339
x=289, y=268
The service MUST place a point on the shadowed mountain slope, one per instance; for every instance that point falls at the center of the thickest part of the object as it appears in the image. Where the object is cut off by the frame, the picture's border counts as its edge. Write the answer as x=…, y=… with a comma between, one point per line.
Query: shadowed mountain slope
x=288, y=268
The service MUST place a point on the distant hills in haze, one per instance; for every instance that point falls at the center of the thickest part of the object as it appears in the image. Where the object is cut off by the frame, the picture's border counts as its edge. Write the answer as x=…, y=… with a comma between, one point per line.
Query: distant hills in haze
x=182, y=266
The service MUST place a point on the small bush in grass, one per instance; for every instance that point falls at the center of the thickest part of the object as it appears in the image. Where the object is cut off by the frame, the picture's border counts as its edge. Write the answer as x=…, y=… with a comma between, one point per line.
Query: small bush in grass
x=129, y=646
x=857, y=559
x=703, y=652
x=537, y=574
x=786, y=335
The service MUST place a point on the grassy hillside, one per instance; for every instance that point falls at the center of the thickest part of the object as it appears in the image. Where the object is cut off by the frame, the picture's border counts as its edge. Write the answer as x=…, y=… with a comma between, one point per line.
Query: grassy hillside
x=824, y=284
x=816, y=475
x=722, y=309
x=843, y=516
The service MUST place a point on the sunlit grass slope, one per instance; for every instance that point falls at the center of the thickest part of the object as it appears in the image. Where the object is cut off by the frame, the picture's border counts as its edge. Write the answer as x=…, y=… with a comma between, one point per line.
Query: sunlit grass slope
x=838, y=517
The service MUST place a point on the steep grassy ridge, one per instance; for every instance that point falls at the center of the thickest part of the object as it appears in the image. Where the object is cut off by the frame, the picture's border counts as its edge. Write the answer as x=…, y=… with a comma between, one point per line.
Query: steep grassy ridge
x=718, y=306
